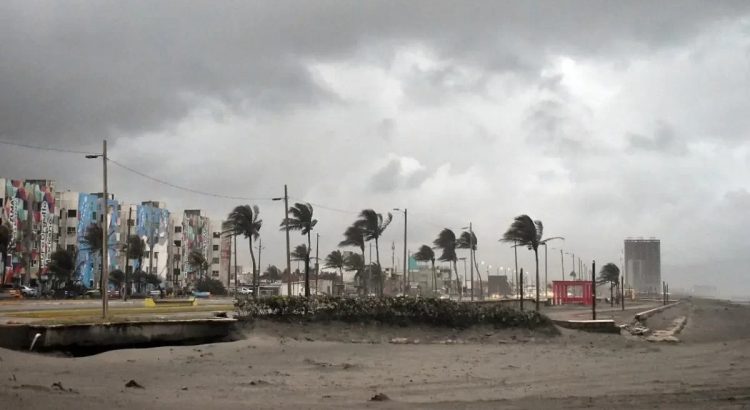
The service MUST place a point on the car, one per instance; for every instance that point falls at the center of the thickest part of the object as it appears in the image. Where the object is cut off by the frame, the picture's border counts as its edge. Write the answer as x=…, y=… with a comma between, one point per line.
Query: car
x=154, y=293
x=245, y=291
x=28, y=291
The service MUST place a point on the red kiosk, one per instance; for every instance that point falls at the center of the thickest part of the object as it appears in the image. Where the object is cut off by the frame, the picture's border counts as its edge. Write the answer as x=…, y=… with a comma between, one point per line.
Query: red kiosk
x=571, y=292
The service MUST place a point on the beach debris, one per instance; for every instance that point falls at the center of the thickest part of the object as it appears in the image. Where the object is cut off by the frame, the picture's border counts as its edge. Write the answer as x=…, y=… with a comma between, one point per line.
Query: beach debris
x=399, y=340
x=183, y=388
x=258, y=382
x=309, y=339
x=380, y=397
x=59, y=387
x=134, y=384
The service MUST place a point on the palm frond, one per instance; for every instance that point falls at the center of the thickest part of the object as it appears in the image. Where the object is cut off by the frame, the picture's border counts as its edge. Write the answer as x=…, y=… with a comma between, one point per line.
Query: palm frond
x=446, y=241
x=424, y=254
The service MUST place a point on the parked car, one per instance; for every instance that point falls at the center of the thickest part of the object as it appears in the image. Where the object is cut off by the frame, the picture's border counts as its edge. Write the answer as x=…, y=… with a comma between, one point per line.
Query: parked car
x=245, y=291
x=28, y=291
x=156, y=293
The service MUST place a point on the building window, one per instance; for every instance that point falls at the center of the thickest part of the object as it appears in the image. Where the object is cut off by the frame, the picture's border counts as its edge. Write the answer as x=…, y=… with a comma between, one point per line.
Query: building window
x=217, y=234
x=215, y=260
x=178, y=243
x=215, y=273
x=71, y=230
x=72, y=213
x=177, y=229
x=216, y=247
x=156, y=255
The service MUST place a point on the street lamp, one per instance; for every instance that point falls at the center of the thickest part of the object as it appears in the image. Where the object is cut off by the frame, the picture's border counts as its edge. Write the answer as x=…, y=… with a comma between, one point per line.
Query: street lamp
x=105, y=232
x=286, y=228
x=546, y=281
x=406, y=271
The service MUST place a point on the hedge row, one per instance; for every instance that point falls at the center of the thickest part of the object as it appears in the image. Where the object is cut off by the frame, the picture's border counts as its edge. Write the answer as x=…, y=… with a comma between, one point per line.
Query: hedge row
x=398, y=310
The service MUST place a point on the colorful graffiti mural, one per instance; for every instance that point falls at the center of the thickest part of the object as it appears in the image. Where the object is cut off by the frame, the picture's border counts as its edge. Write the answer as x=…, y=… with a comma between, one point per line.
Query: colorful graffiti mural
x=152, y=224
x=88, y=262
x=196, y=231
x=29, y=209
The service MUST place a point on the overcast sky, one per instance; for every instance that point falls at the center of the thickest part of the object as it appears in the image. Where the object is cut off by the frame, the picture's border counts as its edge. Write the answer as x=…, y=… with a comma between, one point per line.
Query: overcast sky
x=603, y=119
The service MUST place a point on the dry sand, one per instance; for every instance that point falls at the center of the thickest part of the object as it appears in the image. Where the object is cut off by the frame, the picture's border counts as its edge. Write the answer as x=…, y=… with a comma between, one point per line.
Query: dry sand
x=339, y=366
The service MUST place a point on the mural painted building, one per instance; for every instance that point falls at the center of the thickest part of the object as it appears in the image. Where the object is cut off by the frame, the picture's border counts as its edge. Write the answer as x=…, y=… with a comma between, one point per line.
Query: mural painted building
x=196, y=235
x=152, y=225
x=89, y=258
x=28, y=208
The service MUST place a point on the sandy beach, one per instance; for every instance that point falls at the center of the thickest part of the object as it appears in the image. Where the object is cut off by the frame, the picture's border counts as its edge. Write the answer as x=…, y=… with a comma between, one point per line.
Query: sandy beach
x=344, y=366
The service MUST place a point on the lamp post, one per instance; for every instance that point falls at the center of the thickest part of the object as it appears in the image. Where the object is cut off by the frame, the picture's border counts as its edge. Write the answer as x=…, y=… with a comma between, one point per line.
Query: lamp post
x=105, y=232
x=406, y=269
x=286, y=228
x=465, y=276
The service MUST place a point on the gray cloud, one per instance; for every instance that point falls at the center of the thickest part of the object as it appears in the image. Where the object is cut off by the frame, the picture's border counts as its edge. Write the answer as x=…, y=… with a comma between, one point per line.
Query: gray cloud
x=664, y=141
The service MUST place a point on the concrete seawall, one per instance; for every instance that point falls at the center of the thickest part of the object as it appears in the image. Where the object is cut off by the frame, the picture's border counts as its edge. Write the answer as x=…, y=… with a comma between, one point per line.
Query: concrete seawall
x=113, y=335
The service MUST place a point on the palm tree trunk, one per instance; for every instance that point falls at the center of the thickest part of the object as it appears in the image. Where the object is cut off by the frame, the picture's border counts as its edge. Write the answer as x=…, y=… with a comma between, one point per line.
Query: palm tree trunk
x=341, y=272
x=611, y=296
x=536, y=258
x=434, y=278
x=458, y=281
x=307, y=266
x=520, y=286
x=255, y=277
x=380, y=271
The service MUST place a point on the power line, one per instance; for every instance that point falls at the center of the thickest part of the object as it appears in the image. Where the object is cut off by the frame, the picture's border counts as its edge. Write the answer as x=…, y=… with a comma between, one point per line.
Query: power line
x=41, y=148
x=183, y=188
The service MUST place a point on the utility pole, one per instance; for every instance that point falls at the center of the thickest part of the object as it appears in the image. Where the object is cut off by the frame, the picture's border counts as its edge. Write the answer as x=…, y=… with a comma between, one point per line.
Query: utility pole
x=593, y=290
x=105, y=231
x=127, y=251
x=229, y=262
x=317, y=261
x=406, y=268
x=260, y=248
x=515, y=273
x=562, y=264
x=286, y=228
x=236, y=284
x=546, y=283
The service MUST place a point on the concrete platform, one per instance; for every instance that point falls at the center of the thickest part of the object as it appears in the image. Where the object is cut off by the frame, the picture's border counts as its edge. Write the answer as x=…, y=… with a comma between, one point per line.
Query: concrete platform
x=597, y=326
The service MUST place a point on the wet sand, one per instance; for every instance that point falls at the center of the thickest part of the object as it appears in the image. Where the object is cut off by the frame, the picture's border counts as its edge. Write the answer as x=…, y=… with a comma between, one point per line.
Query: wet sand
x=340, y=366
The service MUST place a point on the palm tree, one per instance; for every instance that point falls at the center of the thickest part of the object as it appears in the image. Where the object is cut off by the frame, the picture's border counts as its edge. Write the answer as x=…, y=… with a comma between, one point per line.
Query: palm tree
x=424, y=254
x=610, y=273
x=335, y=260
x=243, y=220
x=573, y=275
x=356, y=262
x=526, y=232
x=468, y=240
x=92, y=238
x=272, y=273
x=198, y=261
x=355, y=236
x=446, y=241
x=373, y=225
x=135, y=248
x=117, y=278
x=300, y=218
x=62, y=264
x=5, y=237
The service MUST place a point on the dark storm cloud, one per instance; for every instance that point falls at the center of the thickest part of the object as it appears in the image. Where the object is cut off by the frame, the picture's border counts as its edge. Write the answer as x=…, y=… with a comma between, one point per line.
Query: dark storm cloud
x=78, y=70
x=664, y=140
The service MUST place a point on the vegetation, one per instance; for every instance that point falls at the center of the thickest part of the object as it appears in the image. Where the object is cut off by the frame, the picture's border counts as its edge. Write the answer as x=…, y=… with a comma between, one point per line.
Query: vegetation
x=526, y=232
x=610, y=273
x=393, y=311
x=215, y=287
x=446, y=241
x=335, y=260
x=272, y=273
x=117, y=278
x=135, y=249
x=62, y=264
x=373, y=225
x=468, y=240
x=243, y=221
x=92, y=238
x=300, y=218
x=197, y=261
x=355, y=236
x=426, y=254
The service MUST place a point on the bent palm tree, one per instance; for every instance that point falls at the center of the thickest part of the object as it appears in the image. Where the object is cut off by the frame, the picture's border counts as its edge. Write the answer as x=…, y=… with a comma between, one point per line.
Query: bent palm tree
x=468, y=240
x=355, y=236
x=61, y=265
x=373, y=225
x=92, y=238
x=197, y=260
x=5, y=237
x=335, y=260
x=300, y=218
x=526, y=232
x=135, y=249
x=355, y=262
x=426, y=254
x=610, y=273
x=446, y=241
x=243, y=220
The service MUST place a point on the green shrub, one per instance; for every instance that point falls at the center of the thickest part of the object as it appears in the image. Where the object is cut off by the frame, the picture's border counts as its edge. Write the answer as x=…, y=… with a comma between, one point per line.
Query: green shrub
x=215, y=287
x=396, y=311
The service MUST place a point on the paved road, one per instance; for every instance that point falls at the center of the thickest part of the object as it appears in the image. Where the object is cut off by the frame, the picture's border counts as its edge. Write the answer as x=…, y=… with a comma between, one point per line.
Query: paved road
x=25, y=305
x=570, y=312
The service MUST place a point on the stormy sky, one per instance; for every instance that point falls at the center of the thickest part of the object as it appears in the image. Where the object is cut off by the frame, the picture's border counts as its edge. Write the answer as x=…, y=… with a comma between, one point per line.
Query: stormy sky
x=603, y=119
